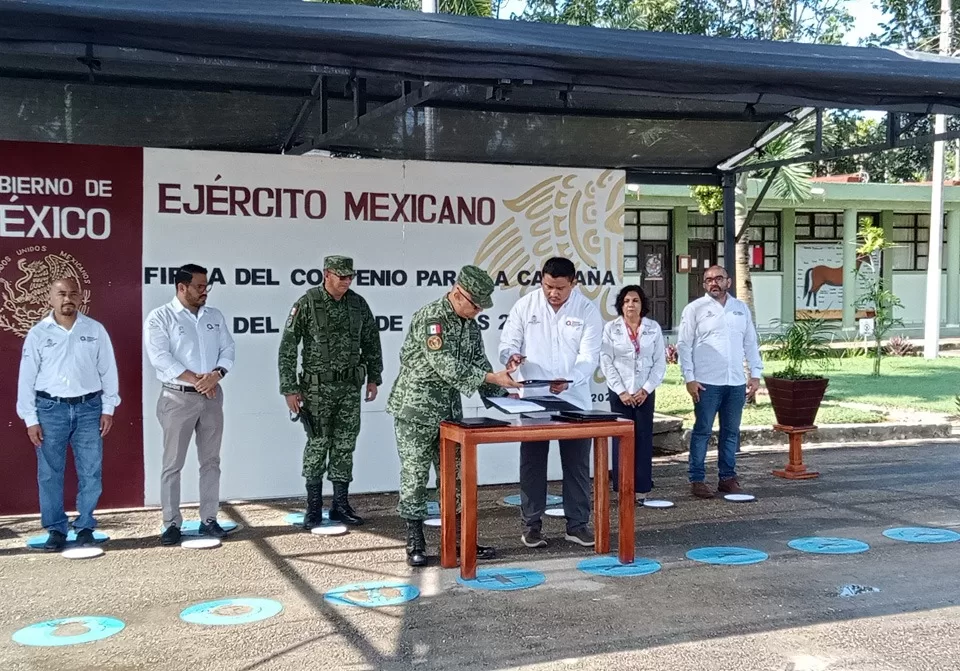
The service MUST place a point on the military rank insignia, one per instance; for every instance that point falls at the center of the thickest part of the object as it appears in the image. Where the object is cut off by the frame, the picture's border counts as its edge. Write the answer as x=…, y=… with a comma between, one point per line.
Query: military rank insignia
x=434, y=342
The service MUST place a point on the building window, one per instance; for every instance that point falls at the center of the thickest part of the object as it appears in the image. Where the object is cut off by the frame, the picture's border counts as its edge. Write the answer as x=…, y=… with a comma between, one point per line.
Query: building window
x=911, y=239
x=819, y=226
x=642, y=225
x=764, y=232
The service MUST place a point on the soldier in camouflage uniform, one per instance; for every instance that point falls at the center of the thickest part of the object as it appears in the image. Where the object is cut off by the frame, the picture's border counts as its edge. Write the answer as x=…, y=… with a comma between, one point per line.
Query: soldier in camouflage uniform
x=442, y=357
x=341, y=351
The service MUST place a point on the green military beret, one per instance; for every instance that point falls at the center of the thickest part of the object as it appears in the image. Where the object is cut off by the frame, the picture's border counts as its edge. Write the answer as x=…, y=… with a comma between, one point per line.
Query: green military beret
x=478, y=284
x=341, y=265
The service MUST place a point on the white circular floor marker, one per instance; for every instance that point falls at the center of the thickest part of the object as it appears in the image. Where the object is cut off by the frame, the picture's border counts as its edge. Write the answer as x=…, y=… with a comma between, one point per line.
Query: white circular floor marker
x=658, y=503
x=82, y=553
x=200, y=543
x=329, y=530
x=555, y=512
x=432, y=522
x=739, y=498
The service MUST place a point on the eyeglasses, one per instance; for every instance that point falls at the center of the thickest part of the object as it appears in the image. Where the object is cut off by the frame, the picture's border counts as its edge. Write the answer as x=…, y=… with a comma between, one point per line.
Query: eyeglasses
x=714, y=280
x=467, y=297
x=201, y=288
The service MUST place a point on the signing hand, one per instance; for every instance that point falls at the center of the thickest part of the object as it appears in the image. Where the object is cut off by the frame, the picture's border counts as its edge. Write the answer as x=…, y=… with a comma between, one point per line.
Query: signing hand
x=106, y=423
x=371, y=392
x=627, y=400
x=514, y=362
x=294, y=401
x=35, y=434
x=501, y=378
x=640, y=397
x=558, y=386
x=753, y=384
x=207, y=382
x=694, y=388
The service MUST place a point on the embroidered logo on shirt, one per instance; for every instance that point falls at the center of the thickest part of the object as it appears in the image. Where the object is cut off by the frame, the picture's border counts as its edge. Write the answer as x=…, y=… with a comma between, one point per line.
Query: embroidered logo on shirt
x=738, y=313
x=49, y=343
x=434, y=329
x=434, y=342
x=575, y=323
x=180, y=330
x=210, y=327
x=88, y=339
x=533, y=320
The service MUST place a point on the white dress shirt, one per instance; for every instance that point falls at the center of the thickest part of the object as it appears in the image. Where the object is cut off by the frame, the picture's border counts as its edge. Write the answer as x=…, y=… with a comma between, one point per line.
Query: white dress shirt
x=626, y=369
x=562, y=344
x=715, y=339
x=66, y=364
x=178, y=340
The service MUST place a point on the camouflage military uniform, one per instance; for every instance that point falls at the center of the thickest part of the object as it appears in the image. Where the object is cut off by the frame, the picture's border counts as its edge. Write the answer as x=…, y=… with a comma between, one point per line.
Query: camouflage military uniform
x=341, y=350
x=441, y=358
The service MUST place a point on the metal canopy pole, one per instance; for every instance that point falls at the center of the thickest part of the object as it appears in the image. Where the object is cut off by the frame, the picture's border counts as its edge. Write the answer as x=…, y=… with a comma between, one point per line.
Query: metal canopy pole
x=931, y=321
x=729, y=182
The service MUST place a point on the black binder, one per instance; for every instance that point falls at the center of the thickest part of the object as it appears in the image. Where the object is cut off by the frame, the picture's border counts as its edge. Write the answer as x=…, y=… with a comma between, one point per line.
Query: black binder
x=586, y=416
x=475, y=422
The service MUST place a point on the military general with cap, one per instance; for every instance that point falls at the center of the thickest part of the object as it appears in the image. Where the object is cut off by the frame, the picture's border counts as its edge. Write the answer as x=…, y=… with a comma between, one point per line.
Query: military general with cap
x=442, y=357
x=341, y=355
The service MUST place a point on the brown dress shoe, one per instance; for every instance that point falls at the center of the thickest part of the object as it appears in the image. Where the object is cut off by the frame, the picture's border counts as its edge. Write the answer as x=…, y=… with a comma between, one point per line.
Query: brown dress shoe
x=700, y=490
x=729, y=486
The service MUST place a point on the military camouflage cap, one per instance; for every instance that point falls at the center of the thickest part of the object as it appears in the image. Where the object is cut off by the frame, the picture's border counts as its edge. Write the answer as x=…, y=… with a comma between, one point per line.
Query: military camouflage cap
x=341, y=265
x=478, y=284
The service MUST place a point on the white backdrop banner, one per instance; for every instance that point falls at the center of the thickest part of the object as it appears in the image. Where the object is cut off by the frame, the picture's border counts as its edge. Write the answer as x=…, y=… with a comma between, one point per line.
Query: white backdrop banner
x=262, y=224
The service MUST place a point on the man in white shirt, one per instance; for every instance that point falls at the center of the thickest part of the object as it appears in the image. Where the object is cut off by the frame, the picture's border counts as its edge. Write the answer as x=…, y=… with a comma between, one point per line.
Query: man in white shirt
x=555, y=334
x=190, y=346
x=66, y=393
x=716, y=335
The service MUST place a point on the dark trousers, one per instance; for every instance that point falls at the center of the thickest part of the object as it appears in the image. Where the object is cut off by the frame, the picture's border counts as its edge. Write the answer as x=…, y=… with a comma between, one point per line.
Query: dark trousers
x=575, y=461
x=642, y=417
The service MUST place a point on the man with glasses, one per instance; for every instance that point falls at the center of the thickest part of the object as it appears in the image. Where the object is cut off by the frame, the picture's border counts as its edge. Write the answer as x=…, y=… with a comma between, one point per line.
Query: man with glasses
x=441, y=358
x=716, y=335
x=190, y=346
x=341, y=353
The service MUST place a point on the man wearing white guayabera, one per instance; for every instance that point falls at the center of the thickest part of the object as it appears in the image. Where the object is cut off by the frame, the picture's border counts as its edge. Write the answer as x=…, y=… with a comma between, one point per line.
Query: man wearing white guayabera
x=554, y=334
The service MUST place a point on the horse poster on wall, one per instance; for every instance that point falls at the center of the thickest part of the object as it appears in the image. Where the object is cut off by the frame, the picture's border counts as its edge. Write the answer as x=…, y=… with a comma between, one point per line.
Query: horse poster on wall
x=820, y=280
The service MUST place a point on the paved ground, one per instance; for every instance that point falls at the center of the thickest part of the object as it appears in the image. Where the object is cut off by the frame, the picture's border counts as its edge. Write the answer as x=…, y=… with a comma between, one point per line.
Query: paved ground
x=781, y=615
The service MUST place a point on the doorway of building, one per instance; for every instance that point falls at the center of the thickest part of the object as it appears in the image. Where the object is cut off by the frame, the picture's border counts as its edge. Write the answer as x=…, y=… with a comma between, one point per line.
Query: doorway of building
x=703, y=254
x=656, y=274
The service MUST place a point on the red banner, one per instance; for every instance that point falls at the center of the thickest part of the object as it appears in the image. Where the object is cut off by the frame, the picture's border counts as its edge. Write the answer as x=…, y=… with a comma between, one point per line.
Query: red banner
x=70, y=210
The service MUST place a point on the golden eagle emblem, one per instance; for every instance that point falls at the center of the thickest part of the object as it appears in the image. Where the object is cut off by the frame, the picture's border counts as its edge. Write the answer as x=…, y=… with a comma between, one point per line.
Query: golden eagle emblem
x=24, y=300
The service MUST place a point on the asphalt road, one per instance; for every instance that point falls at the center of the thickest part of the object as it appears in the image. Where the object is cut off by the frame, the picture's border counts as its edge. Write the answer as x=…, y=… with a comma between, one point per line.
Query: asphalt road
x=783, y=614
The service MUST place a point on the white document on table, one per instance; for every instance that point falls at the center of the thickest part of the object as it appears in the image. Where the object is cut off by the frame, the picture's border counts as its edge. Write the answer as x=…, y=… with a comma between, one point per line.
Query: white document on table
x=513, y=406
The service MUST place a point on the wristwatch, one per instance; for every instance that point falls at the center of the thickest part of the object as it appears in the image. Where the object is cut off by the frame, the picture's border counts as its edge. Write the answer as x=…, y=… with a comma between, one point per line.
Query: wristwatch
x=221, y=370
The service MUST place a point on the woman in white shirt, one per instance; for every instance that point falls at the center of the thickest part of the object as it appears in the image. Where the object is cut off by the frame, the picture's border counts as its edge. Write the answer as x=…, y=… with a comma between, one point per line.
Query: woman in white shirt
x=633, y=360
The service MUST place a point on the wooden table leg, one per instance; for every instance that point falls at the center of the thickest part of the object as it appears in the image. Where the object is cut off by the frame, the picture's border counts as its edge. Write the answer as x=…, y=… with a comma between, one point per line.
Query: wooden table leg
x=601, y=496
x=448, y=503
x=626, y=486
x=468, y=507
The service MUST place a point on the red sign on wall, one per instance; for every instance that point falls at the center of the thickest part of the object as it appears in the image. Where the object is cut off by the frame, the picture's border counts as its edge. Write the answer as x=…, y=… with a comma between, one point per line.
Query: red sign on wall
x=70, y=210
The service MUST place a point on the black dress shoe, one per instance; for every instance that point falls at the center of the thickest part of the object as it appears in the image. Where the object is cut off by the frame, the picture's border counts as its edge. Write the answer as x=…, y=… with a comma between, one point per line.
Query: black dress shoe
x=85, y=538
x=212, y=528
x=171, y=536
x=483, y=551
x=56, y=541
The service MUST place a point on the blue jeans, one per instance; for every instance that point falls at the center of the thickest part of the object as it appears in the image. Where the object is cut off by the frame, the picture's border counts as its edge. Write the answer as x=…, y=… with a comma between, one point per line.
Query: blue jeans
x=728, y=402
x=78, y=425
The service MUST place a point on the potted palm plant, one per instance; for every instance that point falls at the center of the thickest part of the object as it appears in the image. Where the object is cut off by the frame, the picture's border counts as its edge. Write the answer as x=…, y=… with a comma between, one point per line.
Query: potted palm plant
x=797, y=390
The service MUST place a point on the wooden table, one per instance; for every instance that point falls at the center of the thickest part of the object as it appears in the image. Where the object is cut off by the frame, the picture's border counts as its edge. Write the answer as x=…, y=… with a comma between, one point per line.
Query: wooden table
x=530, y=430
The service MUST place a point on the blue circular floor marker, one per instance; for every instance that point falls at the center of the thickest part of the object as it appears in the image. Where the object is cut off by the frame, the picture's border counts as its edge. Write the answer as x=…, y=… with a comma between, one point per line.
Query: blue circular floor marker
x=231, y=611
x=504, y=579
x=610, y=566
x=922, y=535
x=372, y=594
x=36, y=542
x=514, y=500
x=433, y=508
x=296, y=519
x=728, y=556
x=824, y=545
x=192, y=527
x=68, y=631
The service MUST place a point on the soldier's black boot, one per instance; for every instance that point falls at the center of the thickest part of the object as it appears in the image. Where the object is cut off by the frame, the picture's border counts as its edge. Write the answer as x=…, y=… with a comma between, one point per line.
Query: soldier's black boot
x=416, y=544
x=313, y=517
x=340, y=509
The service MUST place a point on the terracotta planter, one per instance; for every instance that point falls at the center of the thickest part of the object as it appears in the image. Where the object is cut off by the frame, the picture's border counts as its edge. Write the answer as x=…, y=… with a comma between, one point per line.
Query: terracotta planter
x=796, y=402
